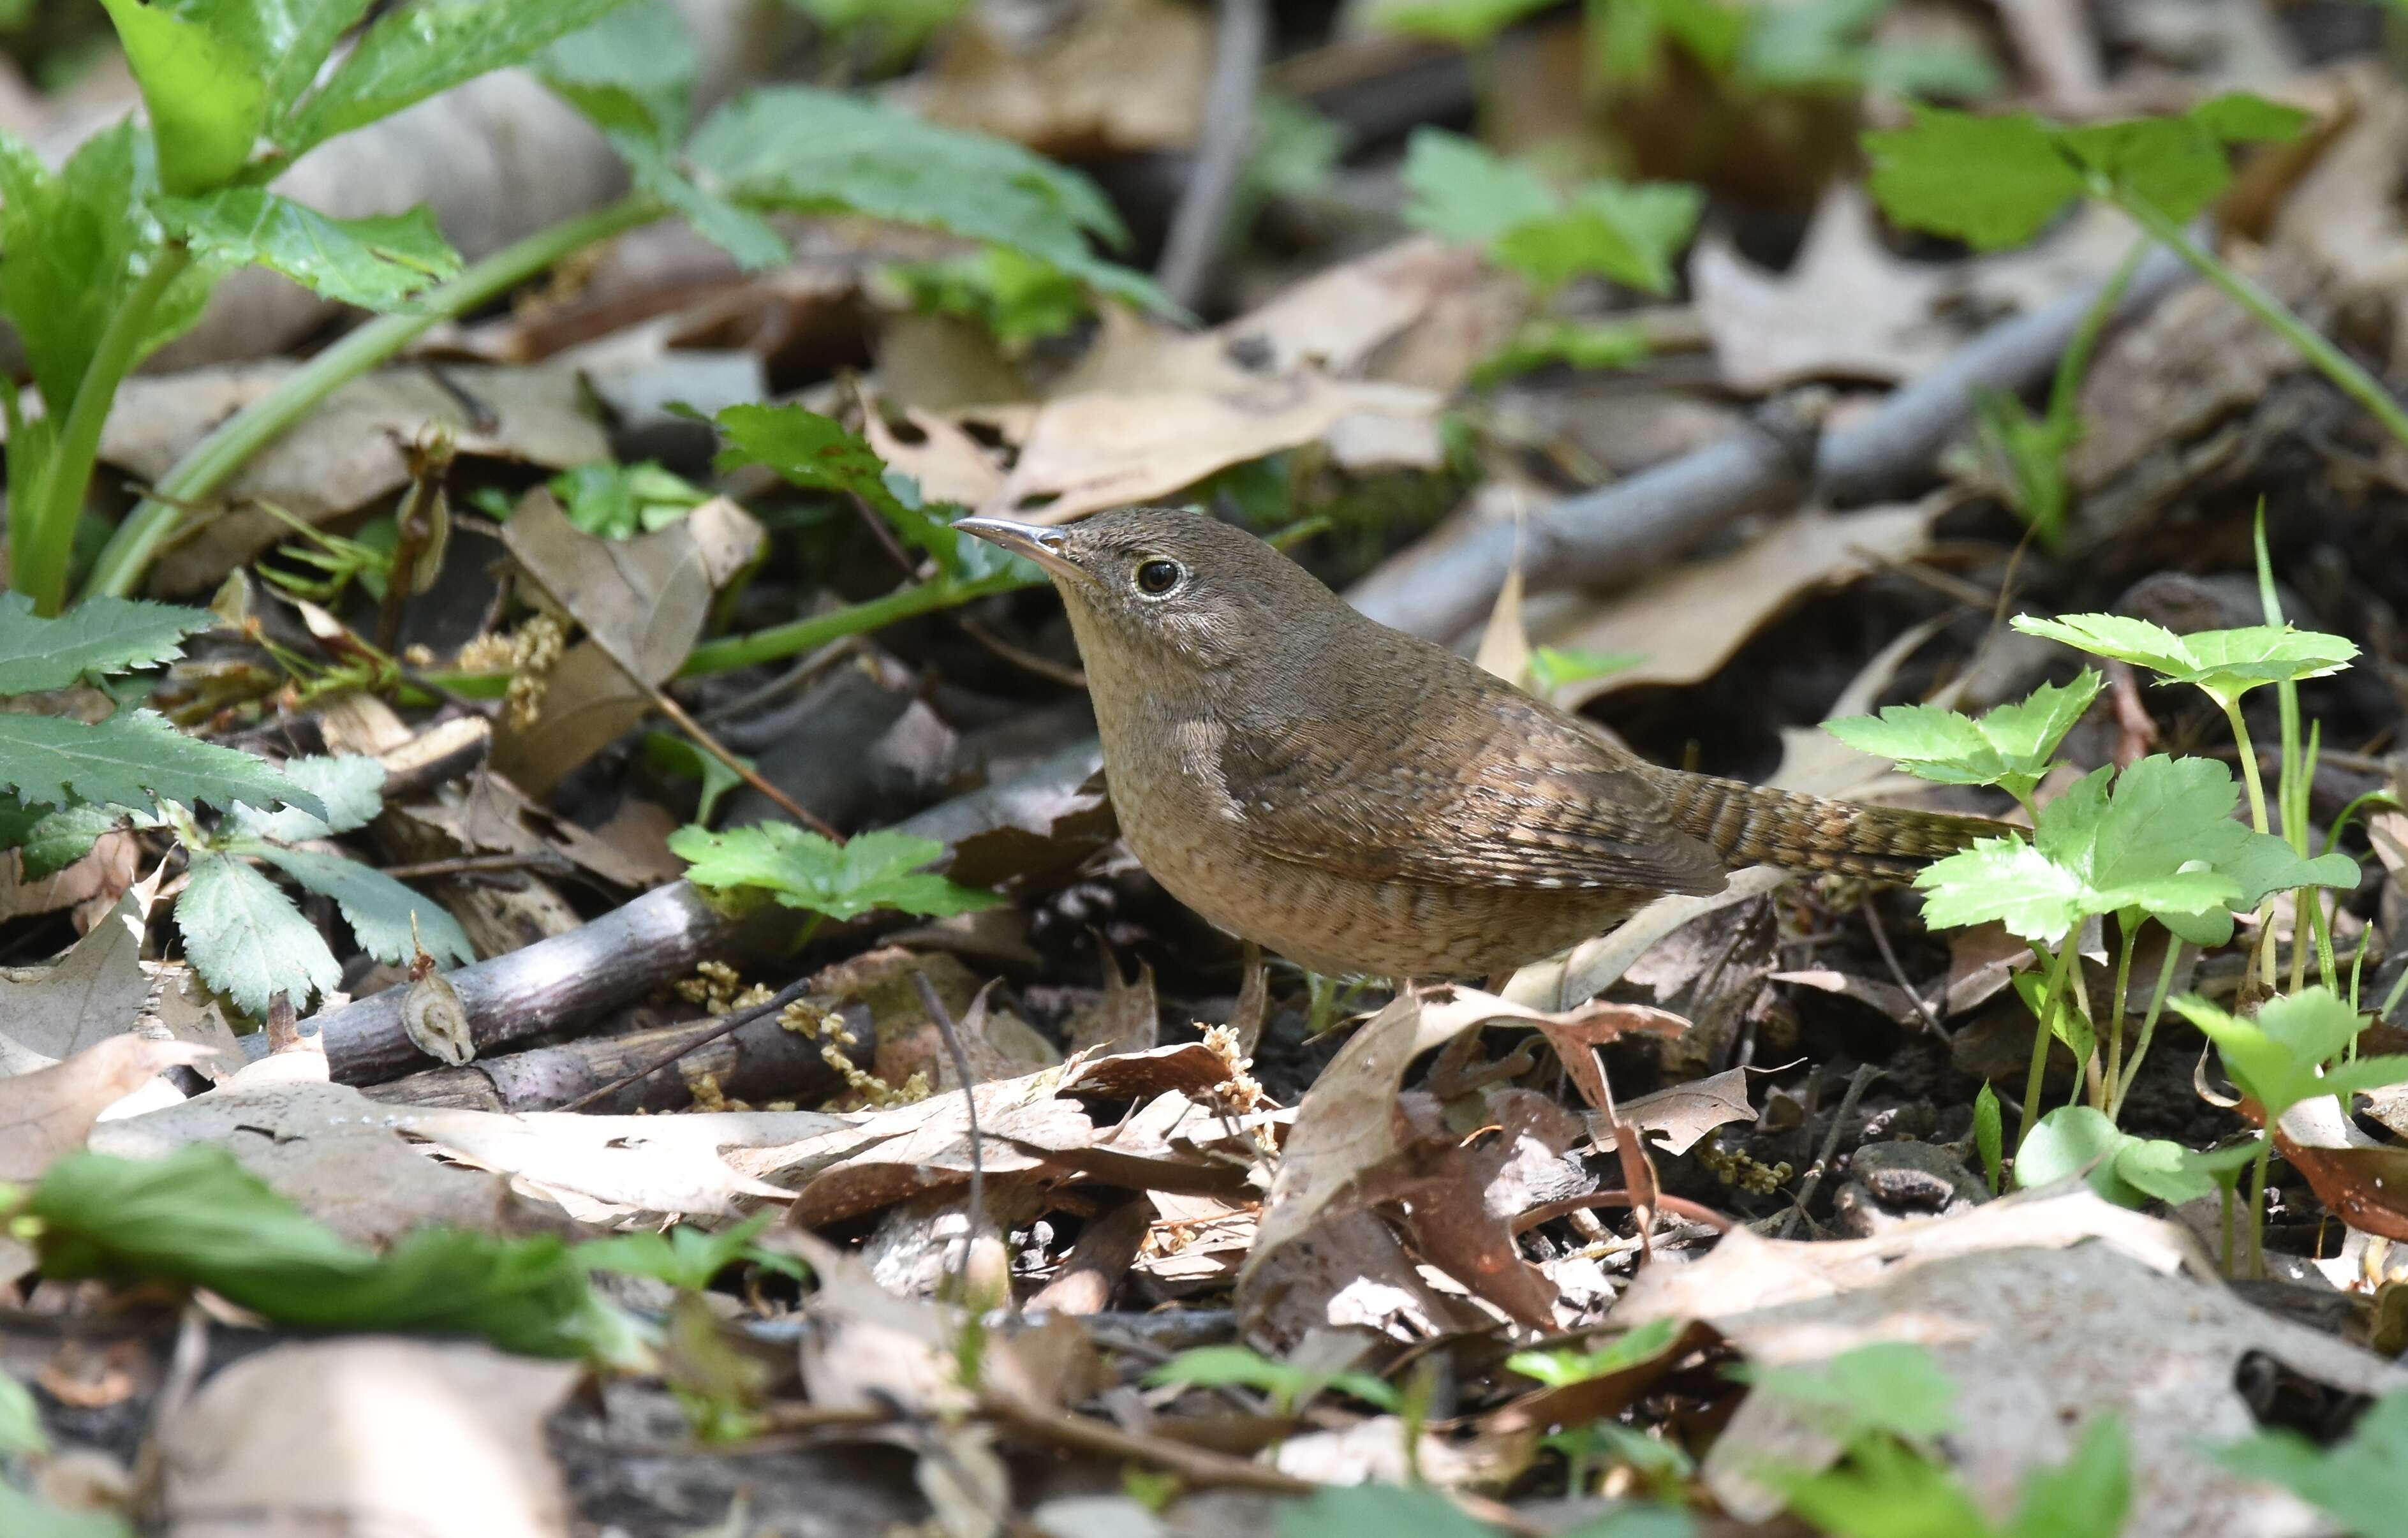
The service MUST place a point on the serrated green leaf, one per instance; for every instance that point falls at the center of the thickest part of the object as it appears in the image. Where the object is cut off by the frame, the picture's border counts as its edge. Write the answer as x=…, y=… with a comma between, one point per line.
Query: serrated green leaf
x=423, y=50
x=1988, y=181
x=2362, y=1481
x=2224, y=663
x=379, y=909
x=1465, y=23
x=1580, y=344
x=2277, y=1058
x=821, y=453
x=349, y=786
x=247, y=939
x=818, y=151
x=1461, y=191
x=805, y=870
x=1629, y=232
x=2013, y=745
x=379, y=263
x=2005, y=880
x=1558, y=1368
x=642, y=51
x=47, y=842
x=133, y=758
x=198, y=1218
x=2170, y=164
x=1890, y=1388
x=1017, y=298
x=206, y=94
x=2239, y=118
x=99, y=636
x=78, y=242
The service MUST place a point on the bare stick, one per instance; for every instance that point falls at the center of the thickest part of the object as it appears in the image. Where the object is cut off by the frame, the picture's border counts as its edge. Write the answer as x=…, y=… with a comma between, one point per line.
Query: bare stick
x=1864, y=1075
x=944, y=1023
x=728, y=1027
x=1199, y=225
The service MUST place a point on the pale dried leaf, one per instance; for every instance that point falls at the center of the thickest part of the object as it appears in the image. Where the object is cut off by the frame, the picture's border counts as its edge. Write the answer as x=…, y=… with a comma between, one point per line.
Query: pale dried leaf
x=1684, y=1113
x=1120, y=75
x=1125, y=1019
x=48, y=1111
x=370, y=1435
x=96, y=990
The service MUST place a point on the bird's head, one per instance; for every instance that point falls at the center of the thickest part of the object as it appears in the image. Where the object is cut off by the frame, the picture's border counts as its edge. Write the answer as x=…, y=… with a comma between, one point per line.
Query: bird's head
x=1174, y=588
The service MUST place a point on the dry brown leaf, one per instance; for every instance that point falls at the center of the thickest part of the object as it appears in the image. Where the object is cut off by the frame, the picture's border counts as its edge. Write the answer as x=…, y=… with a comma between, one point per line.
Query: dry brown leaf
x=346, y=453
x=1120, y=75
x=1688, y=620
x=1463, y=1216
x=2363, y=1182
x=1577, y=1034
x=1846, y=309
x=949, y=464
x=1884, y=998
x=370, y=1435
x=2045, y=1312
x=49, y=1111
x=90, y=885
x=1349, y=1272
x=1125, y=1019
x=1595, y=965
x=95, y=991
x=684, y=1164
x=1684, y=1113
x=2343, y=218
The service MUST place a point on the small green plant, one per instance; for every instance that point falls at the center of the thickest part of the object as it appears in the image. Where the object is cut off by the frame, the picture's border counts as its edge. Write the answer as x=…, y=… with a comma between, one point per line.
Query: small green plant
x=1990, y=1135
x=686, y=1256
x=1886, y=1404
x=2362, y=1482
x=614, y=501
x=1627, y=232
x=630, y=68
x=1997, y=181
x=1577, y=344
x=828, y=880
x=115, y=253
x=1290, y=1387
x=1554, y=1369
x=1019, y=300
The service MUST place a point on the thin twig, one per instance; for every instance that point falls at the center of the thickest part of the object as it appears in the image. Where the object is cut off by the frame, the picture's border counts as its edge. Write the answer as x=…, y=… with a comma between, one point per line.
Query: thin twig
x=786, y=683
x=944, y=1023
x=728, y=1027
x=1199, y=225
x=1020, y=656
x=1864, y=1075
x=461, y=865
x=741, y=769
x=1881, y=943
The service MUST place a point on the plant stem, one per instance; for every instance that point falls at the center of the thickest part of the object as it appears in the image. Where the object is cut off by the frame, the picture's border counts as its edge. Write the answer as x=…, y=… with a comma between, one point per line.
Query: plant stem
x=2258, y=1206
x=2331, y=361
x=2116, y=1016
x=2148, y=1025
x=210, y=462
x=785, y=640
x=2264, y=950
x=2057, y=967
x=45, y=536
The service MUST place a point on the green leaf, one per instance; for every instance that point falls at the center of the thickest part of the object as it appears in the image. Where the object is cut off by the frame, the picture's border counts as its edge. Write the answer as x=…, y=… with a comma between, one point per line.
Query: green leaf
x=2013, y=746
x=1990, y=1135
x=206, y=93
x=48, y=842
x=2079, y=1140
x=2239, y=118
x=2170, y=164
x=1377, y=1511
x=1628, y=233
x=2225, y=664
x=20, y=1419
x=1464, y=194
x=379, y=263
x=1554, y=1369
x=1889, y=1386
x=1017, y=298
x=2362, y=1482
x=821, y=453
x=1988, y=181
x=1552, y=669
x=133, y=758
x=391, y=921
x=614, y=501
x=1291, y=1385
x=840, y=881
x=247, y=939
x=818, y=151
x=674, y=755
x=350, y=786
x=198, y=1218
x=885, y=33
x=78, y=242
x=420, y=50
x=2277, y=1058
x=685, y=1257
x=98, y=637
x=23, y=1516
x=1580, y=344
x=1464, y=24
x=1827, y=46
x=642, y=51
x=2086, y=1496
x=1884, y=1491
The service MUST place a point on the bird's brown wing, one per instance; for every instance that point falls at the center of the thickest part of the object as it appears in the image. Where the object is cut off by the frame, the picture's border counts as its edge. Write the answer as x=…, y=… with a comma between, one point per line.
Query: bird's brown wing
x=1490, y=792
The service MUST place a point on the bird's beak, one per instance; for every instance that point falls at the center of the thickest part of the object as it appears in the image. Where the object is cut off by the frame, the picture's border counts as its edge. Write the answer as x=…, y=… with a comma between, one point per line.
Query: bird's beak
x=1038, y=542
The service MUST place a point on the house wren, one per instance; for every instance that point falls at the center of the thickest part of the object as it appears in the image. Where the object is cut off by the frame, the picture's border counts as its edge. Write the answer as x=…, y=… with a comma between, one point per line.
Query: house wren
x=1362, y=801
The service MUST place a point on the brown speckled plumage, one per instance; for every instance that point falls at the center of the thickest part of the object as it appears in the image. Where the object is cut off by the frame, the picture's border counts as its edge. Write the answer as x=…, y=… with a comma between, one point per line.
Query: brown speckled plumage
x=1360, y=801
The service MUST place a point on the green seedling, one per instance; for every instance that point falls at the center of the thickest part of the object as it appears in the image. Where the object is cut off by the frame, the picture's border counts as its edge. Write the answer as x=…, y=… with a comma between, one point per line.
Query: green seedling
x=1289, y=1386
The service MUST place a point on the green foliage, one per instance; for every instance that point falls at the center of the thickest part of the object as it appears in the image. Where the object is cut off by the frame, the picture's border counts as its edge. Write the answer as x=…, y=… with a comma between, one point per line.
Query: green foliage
x=23, y=1516
x=2225, y=664
x=614, y=501
x=1377, y=1511
x=1888, y=1388
x=1554, y=668
x=1582, y=344
x=20, y=1419
x=207, y=98
x=1462, y=192
x=247, y=939
x=1996, y=181
x=1989, y=1135
x=198, y=1218
x=673, y=753
x=2278, y=1058
x=1018, y=298
x=2126, y=1169
x=2362, y=1482
x=1806, y=46
x=820, y=453
x=871, y=871
x=1554, y=1369
x=1465, y=23
x=888, y=31
x=134, y=758
x=104, y=636
x=685, y=1257
x=1886, y=1490
x=349, y=788
x=378, y=263
x=2161, y=842
x=2011, y=746
x=1290, y=1387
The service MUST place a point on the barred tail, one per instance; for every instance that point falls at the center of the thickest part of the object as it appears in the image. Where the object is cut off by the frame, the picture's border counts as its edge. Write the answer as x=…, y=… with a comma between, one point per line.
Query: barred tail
x=1751, y=825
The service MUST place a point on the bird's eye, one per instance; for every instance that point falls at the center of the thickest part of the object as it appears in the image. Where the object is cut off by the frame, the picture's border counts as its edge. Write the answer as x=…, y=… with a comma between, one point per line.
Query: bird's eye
x=1156, y=578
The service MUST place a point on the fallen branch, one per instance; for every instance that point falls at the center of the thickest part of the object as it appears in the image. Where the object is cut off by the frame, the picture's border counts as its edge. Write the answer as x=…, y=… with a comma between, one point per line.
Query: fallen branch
x=1444, y=586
